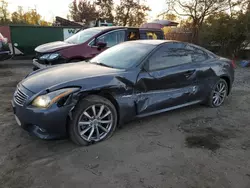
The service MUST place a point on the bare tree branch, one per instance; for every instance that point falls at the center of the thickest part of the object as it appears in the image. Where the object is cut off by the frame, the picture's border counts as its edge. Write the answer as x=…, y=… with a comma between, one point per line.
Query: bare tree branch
x=199, y=10
x=180, y=14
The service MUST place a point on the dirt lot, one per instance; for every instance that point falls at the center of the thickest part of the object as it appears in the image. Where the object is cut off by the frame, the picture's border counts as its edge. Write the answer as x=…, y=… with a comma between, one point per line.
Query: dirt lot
x=195, y=147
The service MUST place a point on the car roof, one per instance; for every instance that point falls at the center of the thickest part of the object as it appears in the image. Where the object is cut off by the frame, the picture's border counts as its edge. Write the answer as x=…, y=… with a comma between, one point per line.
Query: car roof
x=107, y=28
x=154, y=42
x=157, y=42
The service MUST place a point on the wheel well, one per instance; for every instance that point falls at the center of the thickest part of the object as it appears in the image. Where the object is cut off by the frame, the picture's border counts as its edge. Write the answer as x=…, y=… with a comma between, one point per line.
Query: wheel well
x=108, y=96
x=111, y=99
x=103, y=94
x=228, y=83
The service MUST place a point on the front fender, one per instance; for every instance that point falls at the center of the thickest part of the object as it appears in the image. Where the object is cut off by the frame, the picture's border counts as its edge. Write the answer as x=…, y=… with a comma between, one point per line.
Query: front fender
x=119, y=91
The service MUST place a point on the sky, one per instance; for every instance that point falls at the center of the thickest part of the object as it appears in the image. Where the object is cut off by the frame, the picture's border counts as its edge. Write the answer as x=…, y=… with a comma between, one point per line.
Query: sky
x=51, y=8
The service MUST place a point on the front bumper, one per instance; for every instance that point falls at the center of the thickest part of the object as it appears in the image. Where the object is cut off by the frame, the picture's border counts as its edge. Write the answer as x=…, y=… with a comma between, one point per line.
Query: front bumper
x=43, y=123
x=39, y=65
x=4, y=55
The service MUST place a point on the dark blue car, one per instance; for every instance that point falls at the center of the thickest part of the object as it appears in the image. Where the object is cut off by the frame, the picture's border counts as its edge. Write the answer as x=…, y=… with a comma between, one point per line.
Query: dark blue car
x=88, y=100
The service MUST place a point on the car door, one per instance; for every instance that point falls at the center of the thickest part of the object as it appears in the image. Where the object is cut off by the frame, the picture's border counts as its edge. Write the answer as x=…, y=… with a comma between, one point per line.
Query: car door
x=204, y=74
x=111, y=38
x=168, y=80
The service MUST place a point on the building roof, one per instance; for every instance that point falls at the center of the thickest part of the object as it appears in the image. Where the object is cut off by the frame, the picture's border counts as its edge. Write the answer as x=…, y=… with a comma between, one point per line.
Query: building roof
x=64, y=22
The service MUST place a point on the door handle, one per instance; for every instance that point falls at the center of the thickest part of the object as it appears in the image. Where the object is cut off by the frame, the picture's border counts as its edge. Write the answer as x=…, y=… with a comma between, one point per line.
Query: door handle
x=189, y=73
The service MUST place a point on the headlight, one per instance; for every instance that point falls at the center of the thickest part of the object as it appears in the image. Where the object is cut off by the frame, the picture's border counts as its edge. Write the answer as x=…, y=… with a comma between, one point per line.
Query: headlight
x=45, y=101
x=49, y=56
x=53, y=56
x=46, y=56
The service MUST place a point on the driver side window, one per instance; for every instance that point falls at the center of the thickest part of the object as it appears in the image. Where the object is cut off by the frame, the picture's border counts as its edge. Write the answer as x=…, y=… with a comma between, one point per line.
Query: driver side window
x=112, y=38
x=169, y=55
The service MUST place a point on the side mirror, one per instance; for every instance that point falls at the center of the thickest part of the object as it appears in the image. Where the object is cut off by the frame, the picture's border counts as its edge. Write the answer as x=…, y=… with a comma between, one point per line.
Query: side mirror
x=101, y=45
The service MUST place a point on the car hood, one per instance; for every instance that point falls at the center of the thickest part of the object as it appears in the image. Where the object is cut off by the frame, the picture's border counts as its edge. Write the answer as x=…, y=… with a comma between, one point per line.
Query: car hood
x=53, y=46
x=63, y=74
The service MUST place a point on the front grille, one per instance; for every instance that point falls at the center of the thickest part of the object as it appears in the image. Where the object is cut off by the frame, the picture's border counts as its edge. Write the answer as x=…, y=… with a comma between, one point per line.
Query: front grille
x=20, y=97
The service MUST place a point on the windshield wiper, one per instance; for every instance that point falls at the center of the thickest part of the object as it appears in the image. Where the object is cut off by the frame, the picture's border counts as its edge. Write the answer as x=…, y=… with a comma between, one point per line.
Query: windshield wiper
x=102, y=64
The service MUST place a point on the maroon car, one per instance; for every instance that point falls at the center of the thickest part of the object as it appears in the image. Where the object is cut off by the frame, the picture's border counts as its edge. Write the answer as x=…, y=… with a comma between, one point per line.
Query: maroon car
x=88, y=43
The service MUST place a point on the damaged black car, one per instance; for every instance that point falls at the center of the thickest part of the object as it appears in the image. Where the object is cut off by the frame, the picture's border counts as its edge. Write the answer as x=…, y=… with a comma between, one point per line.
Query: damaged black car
x=88, y=100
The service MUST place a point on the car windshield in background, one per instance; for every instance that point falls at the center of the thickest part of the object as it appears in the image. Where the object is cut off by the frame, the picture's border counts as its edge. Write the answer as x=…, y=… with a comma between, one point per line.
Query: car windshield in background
x=123, y=56
x=82, y=36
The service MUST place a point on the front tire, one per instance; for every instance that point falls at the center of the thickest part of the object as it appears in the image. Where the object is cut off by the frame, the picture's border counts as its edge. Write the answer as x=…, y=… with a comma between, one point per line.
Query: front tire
x=218, y=94
x=94, y=120
x=35, y=68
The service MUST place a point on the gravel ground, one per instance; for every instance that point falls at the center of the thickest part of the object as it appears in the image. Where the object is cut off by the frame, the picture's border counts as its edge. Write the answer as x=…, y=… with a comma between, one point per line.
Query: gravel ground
x=194, y=147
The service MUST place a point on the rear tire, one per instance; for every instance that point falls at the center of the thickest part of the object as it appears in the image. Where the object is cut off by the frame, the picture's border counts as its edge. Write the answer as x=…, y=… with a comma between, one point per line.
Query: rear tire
x=94, y=120
x=218, y=94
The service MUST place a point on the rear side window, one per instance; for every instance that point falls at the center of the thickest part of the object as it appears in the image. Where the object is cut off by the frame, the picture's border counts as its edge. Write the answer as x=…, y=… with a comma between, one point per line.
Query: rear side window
x=151, y=35
x=169, y=55
x=160, y=35
x=198, y=55
x=133, y=35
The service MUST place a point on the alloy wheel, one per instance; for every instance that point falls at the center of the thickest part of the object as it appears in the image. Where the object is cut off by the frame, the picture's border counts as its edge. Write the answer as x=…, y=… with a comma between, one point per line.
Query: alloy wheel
x=219, y=93
x=95, y=123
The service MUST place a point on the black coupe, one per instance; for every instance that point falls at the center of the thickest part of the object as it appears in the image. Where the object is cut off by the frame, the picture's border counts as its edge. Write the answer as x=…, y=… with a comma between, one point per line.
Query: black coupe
x=88, y=100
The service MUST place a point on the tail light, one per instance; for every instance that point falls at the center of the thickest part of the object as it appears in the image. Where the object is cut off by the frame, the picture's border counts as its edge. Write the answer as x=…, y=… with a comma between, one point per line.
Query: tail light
x=233, y=64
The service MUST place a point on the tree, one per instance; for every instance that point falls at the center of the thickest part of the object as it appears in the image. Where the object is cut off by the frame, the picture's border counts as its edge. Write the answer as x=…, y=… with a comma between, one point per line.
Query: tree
x=105, y=8
x=198, y=10
x=17, y=16
x=30, y=17
x=229, y=33
x=4, y=13
x=83, y=11
x=245, y=5
x=186, y=24
x=131, y=13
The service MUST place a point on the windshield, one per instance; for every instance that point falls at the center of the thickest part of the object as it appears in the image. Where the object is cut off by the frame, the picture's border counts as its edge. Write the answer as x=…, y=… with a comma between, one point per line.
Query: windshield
x=82, y=36
x=123, y=56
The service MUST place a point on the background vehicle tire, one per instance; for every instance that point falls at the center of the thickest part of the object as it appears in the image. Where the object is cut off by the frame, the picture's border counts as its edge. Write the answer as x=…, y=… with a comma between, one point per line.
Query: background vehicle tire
x=35, y=68
x=218, y=94
x=94, y=120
